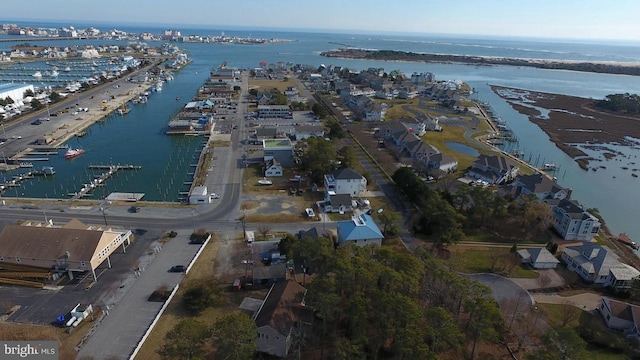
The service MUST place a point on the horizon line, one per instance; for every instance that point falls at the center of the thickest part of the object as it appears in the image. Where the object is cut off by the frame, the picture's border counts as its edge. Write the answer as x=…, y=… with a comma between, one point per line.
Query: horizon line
x=175, y=26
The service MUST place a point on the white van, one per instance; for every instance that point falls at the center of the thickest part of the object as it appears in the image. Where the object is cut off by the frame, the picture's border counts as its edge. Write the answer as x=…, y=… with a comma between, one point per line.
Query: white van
x=250, y=236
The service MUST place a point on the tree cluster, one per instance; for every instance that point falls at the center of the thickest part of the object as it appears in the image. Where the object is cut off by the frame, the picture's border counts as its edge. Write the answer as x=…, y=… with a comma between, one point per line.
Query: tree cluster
x=233, y=336
x=375, y=302
x=623, y=103
x=446, y=217
x=321, y=157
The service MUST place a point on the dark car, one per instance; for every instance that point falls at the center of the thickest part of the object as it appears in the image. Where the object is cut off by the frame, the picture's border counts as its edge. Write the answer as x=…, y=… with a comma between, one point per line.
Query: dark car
x=134, y=209
x=178, y=268
x=36, y=122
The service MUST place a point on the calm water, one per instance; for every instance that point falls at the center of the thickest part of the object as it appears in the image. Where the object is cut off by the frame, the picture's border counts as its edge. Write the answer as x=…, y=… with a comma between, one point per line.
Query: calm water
x=138, y=137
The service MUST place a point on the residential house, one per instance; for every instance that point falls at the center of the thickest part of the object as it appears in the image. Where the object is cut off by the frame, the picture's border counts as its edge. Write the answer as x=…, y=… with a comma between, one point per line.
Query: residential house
x=541, y=186
x=279, y=149
x=281, y=318
x=306, y=131
x=338, y=203
x=493, y=169
x=573, y=222
x=345, y=181
x=598, y=264
x=361, y=230
x=538, y=258
x=621, y=316
x=272, y=168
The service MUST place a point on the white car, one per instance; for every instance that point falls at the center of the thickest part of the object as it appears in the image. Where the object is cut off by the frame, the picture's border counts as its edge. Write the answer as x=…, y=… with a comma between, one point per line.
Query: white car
x=16, y=137
x=309, y=212
x=214, y=196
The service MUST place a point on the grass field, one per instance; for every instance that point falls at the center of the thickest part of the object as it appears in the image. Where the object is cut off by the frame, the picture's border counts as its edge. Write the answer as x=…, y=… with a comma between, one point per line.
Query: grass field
x=472, y=260
x=281, y=85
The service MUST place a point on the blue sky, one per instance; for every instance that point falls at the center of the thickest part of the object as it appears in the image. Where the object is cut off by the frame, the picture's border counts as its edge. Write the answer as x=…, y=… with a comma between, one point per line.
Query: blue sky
x=566, y=19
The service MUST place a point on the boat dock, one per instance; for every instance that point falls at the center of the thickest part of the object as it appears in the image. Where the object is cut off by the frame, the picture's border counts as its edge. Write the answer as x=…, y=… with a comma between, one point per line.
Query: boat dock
x=112, y=169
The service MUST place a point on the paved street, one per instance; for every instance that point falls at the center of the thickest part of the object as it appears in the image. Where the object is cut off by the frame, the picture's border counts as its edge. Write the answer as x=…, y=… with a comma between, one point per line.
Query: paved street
x=131, y=313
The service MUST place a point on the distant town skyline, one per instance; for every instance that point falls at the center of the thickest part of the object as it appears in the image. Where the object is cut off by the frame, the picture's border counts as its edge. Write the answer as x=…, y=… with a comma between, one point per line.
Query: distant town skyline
x=554, y=19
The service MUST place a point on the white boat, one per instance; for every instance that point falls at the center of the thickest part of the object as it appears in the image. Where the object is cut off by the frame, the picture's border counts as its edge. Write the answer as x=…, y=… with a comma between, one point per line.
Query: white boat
x=265, y=181
x=37, y=75
x=67, y=69
x=550, y=166
x=55, y=73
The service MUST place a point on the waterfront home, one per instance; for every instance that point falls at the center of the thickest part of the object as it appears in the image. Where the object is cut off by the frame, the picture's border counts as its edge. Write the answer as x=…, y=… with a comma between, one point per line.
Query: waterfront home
x=541, y=186
x=493, y=169
x=538, y=258
x=572, y=221
x=361, y=230
x=599, y=265
x=281, y=314
x=345, y=181
x=621, y=316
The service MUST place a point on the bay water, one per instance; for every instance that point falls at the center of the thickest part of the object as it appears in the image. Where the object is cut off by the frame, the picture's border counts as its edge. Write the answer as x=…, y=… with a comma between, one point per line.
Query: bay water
x=138, y=138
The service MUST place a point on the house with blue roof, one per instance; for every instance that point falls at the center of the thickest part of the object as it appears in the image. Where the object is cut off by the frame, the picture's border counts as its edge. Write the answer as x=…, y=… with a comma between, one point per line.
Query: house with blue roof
x=361, y=230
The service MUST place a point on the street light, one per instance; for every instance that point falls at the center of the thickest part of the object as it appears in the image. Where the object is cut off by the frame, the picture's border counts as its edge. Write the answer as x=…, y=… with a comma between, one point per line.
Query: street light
x=104, y=214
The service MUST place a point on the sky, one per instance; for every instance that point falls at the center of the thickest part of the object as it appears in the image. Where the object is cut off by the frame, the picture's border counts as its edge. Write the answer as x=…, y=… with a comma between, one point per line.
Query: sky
x=559, y=19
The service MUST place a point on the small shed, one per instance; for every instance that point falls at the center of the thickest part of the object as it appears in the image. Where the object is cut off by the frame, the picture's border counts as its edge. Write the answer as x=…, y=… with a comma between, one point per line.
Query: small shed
x=199, y=195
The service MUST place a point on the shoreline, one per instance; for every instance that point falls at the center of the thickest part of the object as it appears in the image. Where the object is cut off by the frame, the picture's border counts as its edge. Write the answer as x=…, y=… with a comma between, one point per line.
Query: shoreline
x=572, y=120
x=604, y=67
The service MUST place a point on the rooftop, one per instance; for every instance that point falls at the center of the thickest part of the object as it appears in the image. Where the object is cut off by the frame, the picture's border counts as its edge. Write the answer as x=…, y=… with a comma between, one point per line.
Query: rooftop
x=276, y=143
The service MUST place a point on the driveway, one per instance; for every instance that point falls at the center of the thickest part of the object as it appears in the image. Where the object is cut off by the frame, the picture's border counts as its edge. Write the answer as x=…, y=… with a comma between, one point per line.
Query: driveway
x=554, y=279
x=586, y=301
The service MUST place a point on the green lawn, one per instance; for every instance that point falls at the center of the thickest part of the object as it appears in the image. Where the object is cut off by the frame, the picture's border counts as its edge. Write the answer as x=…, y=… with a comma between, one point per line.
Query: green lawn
x=472, y=260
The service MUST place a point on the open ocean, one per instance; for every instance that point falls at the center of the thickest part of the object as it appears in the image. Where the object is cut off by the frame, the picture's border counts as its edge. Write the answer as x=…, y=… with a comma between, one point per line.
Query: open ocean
x=614, y=192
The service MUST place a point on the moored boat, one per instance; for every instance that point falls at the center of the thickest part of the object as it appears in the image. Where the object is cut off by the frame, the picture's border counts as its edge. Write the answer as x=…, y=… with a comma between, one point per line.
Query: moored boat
x=550, y=166
x=265, y=181
x=71, y=153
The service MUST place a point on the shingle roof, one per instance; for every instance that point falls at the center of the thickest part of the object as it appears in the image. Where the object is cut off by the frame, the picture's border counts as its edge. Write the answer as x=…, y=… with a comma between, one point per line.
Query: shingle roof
x=542, y=255
x=48, y=243
x=594, y=259
x=277, y=309
x=346, y=174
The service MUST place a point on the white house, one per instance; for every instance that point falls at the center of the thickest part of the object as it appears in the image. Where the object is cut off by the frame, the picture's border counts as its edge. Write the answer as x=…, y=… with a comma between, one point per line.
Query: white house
x=272, y=168
x=539, y=258
x=573, y=222
x=345, y=181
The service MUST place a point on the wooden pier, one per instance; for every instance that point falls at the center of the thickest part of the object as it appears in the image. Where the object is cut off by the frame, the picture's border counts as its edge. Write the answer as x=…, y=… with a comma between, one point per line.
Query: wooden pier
x=98, y=181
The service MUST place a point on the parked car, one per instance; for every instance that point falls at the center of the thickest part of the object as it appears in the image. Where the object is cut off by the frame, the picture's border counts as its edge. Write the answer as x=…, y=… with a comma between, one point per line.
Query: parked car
x=178, y=268
x=309, y=212
x=134, y=209
x=215, y=196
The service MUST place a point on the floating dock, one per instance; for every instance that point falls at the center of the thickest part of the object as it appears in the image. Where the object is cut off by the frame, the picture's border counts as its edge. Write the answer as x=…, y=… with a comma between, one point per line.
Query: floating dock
x=112, y=169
